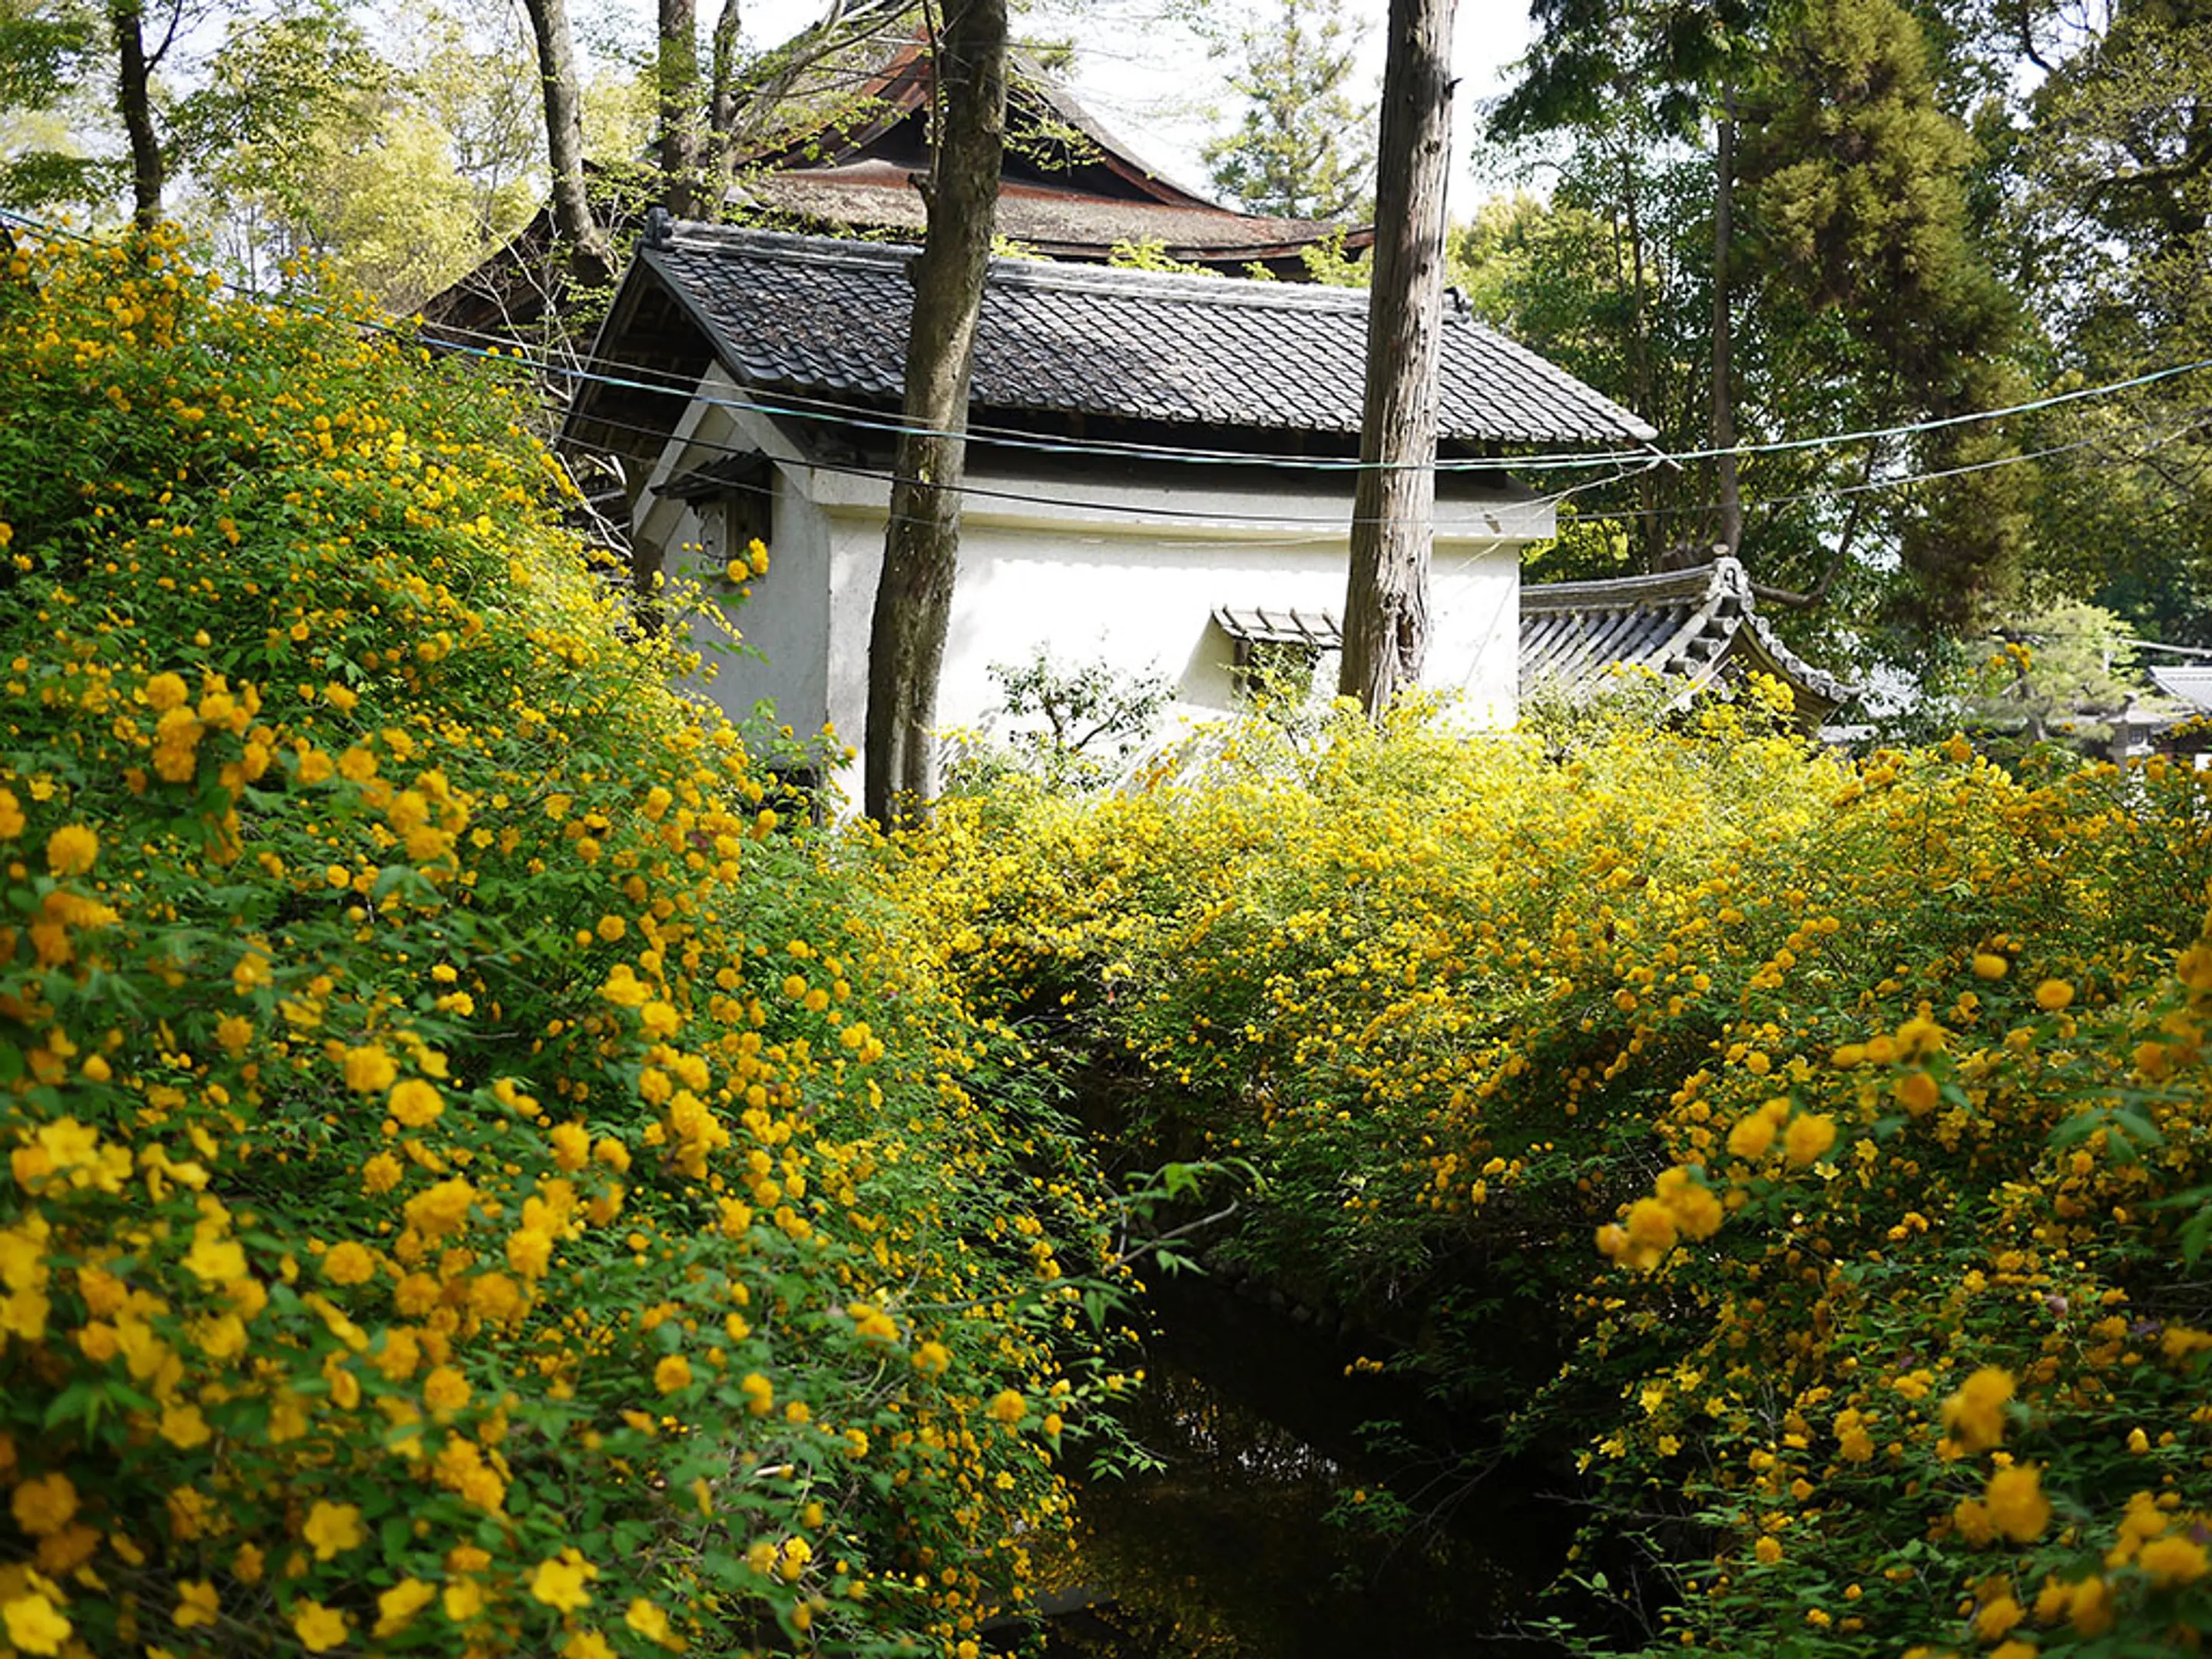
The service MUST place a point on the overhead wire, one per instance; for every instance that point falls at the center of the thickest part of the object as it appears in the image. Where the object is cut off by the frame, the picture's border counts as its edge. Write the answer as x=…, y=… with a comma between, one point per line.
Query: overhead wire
x=802, y=407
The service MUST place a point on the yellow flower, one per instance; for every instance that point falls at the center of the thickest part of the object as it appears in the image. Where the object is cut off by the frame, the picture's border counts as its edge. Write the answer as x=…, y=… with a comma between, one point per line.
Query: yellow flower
x=35, y=1624
x=348, y=1263
x=586, y=1645
x=932, y=1358
x=760, y=1394
x=2017, y=1504
x=369, y=1069
x=396, y=1608
x=415, y=1102
x=44, y=1505
x=1006, y=1406
x=562, y=1584
x=71, y=849
x=463, y=1600
x=672, y=1374
x=446, y=1389
x=1975, y=1414
x=1988, y=965
x=11, y=815
x=2053, y=996
x=165, y=691
x=184, y=1427
x=332, y=1529
x=646, y=1620
x=320, y=1628
x=196, y=1604
x=2173, y=1560
x=1808, y=1137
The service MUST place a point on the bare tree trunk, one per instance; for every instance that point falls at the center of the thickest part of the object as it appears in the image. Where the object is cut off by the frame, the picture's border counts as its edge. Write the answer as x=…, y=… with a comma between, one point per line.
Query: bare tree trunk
x=914, y=600
x=591, y=261
x=676, y=82
x=1386, y=605
x=1724, y=470
x=134, y=103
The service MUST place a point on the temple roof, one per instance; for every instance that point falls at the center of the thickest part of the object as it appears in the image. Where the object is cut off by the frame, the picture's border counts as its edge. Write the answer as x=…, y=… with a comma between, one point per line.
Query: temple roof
x=1692, y=626
x=823, y=320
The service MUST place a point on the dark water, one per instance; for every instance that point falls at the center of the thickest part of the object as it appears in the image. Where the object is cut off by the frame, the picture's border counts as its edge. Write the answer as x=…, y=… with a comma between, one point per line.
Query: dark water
x=1251, y=1545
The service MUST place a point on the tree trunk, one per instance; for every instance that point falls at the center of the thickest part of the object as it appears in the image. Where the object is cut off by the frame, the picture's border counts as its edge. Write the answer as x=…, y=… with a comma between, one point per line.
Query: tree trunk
x=1724, y=470
x=134, y=103
x=591, y=261
x=914, y=600
x=676, y=82
x=1386, y=605
x=722, y=95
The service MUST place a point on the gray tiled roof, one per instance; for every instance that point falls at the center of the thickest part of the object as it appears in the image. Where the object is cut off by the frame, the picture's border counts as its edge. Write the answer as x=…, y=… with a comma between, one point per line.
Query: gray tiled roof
x=826, y=319
x=1679, y=624
x=2190, y=682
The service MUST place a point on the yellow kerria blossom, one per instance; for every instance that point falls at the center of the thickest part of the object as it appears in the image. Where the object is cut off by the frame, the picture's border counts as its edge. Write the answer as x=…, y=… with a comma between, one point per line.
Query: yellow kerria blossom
x=2016, y=1505
x=1975, y=1414
x=396, y=1608
x=1006, y=1406
x=1809, y=1136
x=332, y=1529
x=646, y=1620
x=348, y=1263
x=445, y=1389
x=562, y=1584
x=197, y=1604
x=2174, y=1559
x=415, y=1102
x=672, y=1374
x=35, y=1624
x=72, y=850
x=43, y=1504
x=368, y=1069
x=318, y=1628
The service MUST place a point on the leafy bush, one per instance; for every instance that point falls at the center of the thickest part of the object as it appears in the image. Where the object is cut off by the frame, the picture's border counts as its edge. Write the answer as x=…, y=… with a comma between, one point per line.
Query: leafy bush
x=471, y=1188
x=1881, y=1085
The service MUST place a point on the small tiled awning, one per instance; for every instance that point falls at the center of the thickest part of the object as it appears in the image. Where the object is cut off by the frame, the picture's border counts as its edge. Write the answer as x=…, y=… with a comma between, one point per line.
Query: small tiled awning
x=1688, y=626
x=1318, y=631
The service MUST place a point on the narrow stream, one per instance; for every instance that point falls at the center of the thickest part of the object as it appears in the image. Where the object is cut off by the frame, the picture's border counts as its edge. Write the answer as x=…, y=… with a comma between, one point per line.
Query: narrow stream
x=1252, y=1543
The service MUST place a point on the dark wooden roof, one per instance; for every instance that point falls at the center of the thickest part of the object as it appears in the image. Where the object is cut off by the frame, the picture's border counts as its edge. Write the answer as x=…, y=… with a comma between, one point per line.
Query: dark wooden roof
x=823, y=322
x=1690, y=626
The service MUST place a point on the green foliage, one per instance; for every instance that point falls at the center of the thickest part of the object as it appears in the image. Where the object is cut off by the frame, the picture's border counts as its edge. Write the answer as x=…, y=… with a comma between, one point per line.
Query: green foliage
x=1300, y=150
x=1880, y=1085
x=1072, y=727
x=470, y=1186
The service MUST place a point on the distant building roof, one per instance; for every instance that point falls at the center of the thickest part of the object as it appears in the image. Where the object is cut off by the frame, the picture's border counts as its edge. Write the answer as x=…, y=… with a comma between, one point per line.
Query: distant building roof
x=1689, y=625
x=2188, y=683
x=840, y=140
x=826, y=320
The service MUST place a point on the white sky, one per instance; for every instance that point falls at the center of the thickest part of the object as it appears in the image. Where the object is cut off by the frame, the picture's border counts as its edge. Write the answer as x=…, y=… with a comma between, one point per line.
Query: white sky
x=1153, y=84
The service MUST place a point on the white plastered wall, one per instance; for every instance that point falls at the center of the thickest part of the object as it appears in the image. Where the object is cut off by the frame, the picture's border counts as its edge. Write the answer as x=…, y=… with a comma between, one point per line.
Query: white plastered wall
x=1092, y=563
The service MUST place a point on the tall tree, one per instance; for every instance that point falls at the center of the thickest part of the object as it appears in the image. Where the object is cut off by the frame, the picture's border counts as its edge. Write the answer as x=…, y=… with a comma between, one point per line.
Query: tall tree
x=134, y=65
x=1859, y=181
x=1386, y=605
x=921, y=545
x=591, y=260
x=678, y=94
x=47, y=54
x=1299, y=149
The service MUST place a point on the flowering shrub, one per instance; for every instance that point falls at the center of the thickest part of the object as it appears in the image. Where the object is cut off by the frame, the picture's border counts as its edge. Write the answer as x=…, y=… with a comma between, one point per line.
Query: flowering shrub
x=1881, y=1087
x=471, y=1187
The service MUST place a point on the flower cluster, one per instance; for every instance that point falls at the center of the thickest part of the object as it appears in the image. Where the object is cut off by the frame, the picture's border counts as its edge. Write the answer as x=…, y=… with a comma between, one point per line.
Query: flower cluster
x=469, y=1185
x=1881, y=1086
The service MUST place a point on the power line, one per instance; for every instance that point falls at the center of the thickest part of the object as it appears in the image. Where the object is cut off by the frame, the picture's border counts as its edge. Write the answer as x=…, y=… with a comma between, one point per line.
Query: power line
x=797, y=406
